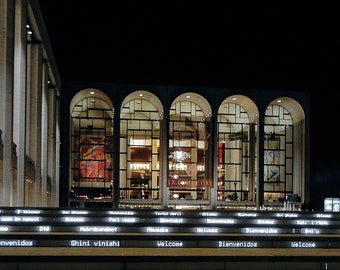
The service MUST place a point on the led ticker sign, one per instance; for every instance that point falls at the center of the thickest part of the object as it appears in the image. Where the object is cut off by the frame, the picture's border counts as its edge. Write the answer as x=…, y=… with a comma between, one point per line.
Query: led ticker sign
x=167, y=229
x=98, y=229
x=17, y=243
x=261, y=230
x=167, y=243
x=240, y=244
x=94, y=243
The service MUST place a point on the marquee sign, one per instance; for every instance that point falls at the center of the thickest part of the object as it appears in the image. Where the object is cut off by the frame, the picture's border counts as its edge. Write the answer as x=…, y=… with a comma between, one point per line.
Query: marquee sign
x=54, y=227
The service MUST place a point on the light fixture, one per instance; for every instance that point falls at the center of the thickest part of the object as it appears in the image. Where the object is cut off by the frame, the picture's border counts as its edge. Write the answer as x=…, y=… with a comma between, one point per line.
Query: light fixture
x=179, y=156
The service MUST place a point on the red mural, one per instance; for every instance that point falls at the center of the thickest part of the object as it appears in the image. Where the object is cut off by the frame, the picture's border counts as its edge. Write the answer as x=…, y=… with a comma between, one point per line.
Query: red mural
x=92, y=160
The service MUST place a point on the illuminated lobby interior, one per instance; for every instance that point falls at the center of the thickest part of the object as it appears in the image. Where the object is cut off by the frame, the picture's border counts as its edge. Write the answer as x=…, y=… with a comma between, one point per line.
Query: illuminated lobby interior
x=194, y=149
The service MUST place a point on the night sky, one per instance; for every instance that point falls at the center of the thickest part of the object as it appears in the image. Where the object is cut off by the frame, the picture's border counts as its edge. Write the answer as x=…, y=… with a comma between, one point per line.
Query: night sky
x=200, y=44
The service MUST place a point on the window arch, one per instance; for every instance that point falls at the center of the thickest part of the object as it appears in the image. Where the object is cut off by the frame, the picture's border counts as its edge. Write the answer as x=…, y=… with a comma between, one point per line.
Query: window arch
x=237, y=163
x=92, y=147
x=189, y=175
x=284, y=150
x=140, y=121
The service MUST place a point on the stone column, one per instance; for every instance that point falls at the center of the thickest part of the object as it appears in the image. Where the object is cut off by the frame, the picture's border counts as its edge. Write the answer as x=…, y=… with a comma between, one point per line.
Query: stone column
x=44, y=132
x=6, y=98
x=19, y=101
x=35, y=120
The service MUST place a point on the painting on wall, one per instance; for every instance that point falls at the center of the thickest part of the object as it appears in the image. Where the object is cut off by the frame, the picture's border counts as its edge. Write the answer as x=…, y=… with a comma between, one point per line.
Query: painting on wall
x=272, y=161
x=93, y=164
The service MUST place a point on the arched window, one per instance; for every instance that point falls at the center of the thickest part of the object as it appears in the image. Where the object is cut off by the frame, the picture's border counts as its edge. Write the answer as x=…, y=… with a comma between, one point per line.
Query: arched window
x=236, y=127
x=140, y=119
x=283, y=151
x=92, y=147
x=189, y=178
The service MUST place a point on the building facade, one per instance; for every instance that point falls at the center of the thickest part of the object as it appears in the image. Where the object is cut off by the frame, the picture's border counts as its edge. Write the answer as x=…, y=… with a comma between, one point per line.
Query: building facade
x=181, y=147
x=140, y=146
x=29, y=109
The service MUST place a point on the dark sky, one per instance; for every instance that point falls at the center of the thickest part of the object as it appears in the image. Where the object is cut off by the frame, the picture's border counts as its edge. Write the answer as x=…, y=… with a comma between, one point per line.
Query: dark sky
x=199, y=44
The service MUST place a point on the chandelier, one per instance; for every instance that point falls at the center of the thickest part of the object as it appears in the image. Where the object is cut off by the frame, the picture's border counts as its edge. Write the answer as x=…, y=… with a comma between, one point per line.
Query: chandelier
x=179, y=156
